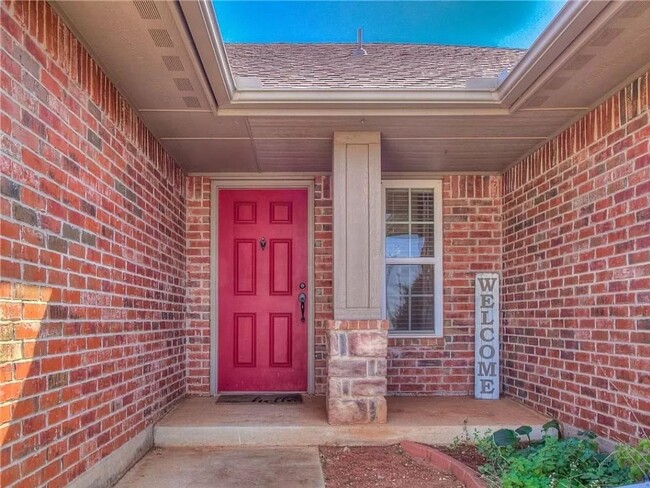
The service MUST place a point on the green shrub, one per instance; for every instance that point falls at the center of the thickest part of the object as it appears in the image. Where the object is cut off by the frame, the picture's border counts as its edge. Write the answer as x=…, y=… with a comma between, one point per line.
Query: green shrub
x=636, y=458
x=554, y=462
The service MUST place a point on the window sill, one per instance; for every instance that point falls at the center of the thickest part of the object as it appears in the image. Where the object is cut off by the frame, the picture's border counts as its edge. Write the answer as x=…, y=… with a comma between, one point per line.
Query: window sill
x=424, y=335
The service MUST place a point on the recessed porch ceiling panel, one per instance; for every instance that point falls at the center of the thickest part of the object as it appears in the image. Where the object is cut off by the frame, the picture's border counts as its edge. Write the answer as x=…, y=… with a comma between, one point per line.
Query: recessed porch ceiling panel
x=450, y=155
x=141, y=49
x=194, y=124
x=612, y=54
x=208, y=156
x=522, y=124
x=294, y=154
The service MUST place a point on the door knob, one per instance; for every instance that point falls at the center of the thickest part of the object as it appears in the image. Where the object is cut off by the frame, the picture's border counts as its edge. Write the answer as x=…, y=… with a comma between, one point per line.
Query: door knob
x=302, y=298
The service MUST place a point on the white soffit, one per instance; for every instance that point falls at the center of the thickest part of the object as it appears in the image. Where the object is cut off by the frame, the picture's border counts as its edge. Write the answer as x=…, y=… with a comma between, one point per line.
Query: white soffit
x=140, y=47
x=460, y=154
x=304, y=155
x=518, y=125
x=214, y=155
x=199, y=125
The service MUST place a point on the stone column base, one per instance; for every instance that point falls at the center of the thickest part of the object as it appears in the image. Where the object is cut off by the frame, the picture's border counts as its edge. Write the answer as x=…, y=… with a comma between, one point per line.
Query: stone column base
x=356, y=371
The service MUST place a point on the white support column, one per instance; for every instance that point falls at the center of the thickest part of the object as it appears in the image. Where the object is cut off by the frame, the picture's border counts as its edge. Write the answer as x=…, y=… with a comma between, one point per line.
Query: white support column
x=357, y=225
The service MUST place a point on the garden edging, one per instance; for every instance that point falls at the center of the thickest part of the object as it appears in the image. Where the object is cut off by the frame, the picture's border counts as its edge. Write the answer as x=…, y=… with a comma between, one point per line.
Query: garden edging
x=444, y=462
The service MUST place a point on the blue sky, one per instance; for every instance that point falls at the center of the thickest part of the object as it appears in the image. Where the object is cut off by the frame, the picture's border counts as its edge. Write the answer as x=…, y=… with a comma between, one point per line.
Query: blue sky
x=471, y=23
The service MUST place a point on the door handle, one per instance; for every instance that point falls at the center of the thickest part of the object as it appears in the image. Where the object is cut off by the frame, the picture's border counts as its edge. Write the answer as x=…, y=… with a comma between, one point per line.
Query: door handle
x=302, y=298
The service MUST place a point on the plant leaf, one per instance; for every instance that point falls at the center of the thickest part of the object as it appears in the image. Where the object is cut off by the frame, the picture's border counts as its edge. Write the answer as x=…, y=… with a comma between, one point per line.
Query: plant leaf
x=524, y=430
x=505, y=437
x=587, y=434
x=551, y=424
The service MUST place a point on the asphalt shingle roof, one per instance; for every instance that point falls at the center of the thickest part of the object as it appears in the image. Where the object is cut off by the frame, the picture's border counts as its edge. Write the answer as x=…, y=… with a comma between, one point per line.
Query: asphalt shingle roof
x=319, y=66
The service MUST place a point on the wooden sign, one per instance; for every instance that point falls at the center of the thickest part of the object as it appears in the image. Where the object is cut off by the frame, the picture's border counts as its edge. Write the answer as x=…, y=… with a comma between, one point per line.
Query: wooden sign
x=486, y=355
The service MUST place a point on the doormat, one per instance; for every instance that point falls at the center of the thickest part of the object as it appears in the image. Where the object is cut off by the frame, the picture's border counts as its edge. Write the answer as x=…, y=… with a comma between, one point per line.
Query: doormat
x=276, y=399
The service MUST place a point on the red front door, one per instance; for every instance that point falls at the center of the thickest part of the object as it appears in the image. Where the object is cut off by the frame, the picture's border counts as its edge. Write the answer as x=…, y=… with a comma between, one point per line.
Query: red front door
x=262, y=274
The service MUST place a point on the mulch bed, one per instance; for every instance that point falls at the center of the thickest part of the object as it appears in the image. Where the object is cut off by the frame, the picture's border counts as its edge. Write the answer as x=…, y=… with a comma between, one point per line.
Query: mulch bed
x=465, y=453
x=386, y=466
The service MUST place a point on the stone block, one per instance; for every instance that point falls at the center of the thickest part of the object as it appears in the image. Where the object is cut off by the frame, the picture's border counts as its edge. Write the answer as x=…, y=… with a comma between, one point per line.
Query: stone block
x=332, y=344
x=377, y=367
x=368, y=387
x=347, y=368
x=378, y=410
x=337, y=343
x=338, y=387
x=368, y=344
x=347, y=411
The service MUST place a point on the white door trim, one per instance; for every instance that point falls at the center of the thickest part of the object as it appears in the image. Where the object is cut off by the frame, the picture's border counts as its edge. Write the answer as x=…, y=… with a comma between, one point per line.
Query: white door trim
x=259, y=181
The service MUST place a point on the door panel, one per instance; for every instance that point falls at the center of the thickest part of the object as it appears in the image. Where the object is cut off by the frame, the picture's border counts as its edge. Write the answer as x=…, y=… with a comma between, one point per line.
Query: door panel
x=262, y=263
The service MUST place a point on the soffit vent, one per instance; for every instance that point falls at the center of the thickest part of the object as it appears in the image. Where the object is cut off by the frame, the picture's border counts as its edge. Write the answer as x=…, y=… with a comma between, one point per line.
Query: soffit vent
x=191, y=102
x=147, y=9
x=183, y=84
x=161, y=38
x=173, y=63
x=556, y=83
x=606, y=36
x=578, y=61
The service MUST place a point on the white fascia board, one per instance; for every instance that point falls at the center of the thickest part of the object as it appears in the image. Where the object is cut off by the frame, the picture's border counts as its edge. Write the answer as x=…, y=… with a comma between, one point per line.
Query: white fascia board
x=574, y=17
x=202, y=27
x=379, y=111
x=242, y=97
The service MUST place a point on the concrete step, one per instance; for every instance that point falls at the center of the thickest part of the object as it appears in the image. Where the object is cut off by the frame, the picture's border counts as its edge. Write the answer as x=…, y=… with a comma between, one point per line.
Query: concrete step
x=200, y=422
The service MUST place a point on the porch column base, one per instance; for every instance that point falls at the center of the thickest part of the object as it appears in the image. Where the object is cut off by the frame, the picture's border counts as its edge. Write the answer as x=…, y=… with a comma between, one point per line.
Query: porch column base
x=356, y=371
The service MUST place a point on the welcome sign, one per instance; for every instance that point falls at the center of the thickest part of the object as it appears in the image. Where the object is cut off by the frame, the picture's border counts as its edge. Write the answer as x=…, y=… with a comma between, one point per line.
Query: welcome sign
x=486, y=355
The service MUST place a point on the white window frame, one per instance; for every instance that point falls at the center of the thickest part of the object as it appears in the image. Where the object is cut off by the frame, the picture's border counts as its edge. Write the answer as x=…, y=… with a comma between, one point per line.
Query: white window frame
x=437, y=260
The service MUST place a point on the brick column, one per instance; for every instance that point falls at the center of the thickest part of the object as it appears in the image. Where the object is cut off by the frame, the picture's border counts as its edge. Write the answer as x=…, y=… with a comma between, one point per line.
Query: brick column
x=356, y=371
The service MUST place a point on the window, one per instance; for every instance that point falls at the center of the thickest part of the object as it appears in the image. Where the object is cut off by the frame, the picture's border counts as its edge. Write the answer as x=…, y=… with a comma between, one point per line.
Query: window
x=413, y=257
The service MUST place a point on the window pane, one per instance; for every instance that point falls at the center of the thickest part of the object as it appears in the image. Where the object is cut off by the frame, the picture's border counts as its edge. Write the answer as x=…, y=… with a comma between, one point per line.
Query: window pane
x=422, y=240
x=398, y=284
x=398, y=240
x=409, y=297
x=422, y=279
x=397, y=205
x=422, y=313
x=422, y=205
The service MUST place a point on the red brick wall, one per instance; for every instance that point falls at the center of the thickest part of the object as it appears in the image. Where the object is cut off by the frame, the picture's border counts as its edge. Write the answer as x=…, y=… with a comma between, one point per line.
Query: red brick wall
x=92, y=274
x=197, y=231
x=576, y=272
x=323, y=275
x=471, y=244
x=198, y=285
x=445, y=366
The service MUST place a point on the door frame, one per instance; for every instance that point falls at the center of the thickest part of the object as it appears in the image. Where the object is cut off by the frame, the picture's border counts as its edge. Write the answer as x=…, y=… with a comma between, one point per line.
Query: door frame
x=273, y=182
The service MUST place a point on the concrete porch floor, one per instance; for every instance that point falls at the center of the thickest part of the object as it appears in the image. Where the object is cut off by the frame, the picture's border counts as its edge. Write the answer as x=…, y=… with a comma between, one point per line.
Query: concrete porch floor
x=200, y=422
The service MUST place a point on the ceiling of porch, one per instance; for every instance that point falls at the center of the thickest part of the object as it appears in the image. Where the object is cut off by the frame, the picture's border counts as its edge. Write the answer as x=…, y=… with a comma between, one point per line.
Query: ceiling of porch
x=163, y=58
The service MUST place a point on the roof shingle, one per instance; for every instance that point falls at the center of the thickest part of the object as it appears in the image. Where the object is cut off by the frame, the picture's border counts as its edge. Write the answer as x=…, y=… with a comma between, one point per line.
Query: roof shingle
x=323, y=66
